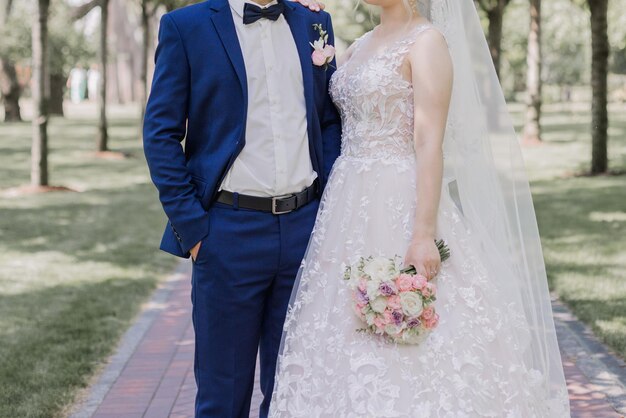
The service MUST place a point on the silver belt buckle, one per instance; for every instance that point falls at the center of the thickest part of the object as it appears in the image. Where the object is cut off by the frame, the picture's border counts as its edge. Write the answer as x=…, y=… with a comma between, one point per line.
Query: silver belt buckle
x=275, y=200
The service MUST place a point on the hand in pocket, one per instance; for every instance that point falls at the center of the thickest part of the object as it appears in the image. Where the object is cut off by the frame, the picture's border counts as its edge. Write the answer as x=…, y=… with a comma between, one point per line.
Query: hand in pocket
x=194, y=251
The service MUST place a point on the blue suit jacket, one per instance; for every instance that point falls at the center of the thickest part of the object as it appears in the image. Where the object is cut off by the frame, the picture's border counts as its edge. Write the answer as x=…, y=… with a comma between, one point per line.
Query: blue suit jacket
x=199, y=94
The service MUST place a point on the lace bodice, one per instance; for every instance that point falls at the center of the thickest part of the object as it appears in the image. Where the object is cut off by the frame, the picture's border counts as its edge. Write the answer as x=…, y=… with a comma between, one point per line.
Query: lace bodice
x=376, y=102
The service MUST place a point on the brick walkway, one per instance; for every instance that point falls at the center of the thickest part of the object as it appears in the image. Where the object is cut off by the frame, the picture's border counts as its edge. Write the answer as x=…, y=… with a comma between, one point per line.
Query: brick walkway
x=151, y=376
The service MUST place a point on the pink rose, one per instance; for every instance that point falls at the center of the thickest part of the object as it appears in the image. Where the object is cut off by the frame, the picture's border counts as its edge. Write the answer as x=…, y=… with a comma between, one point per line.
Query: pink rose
x=379, y=322
x=388, y=316
x=419, y=282
x=329, y=52
x=404, y=282
x=319, y=57
x=432, y=322
x=429, y=290
x=393, y=302
x=363, y=285
x=428, y=313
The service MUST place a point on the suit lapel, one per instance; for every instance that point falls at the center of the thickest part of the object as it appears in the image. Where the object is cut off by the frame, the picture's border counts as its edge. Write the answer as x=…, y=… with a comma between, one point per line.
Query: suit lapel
x=225, y=27
x=299, y=29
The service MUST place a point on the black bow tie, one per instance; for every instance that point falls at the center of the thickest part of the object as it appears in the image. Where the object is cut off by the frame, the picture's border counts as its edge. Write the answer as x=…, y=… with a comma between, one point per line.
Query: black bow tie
x=252, y=13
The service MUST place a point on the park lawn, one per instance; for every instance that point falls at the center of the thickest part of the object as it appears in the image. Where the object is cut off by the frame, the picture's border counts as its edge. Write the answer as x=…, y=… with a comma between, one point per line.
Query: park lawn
x=74, y=267
x=583, y=220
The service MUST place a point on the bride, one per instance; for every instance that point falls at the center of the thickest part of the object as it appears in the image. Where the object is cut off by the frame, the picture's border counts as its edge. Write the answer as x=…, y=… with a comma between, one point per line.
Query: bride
x=428, y=152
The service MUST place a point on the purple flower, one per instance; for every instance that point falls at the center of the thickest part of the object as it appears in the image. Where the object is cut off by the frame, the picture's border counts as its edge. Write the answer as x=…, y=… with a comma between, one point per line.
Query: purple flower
x=362, y=296
x=387, y=289
x=413, y=323
x=398, y=317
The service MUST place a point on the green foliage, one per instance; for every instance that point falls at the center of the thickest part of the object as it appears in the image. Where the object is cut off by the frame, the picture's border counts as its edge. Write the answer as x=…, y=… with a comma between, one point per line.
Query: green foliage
x=514, y=46
x=351, y=18
x=68, y=44
x=16, y=35
x=566, y=43
x=617, y=35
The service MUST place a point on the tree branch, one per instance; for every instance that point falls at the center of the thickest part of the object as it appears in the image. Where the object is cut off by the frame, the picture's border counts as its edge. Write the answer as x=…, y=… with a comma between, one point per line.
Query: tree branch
x=81, y=11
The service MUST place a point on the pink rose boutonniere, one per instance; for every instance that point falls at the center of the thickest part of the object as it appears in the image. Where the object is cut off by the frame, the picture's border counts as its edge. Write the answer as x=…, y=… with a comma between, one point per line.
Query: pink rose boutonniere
x=323, y=52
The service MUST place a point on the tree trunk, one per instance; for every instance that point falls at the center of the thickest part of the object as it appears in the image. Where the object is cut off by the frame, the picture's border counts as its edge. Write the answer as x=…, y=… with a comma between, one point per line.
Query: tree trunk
x=145, y=30
x=57, y=89
x=532, y=128
x=39, y=152
x=5, y=9
x=494, y=35
x=599, y=80
x=10, y=90
x=103, y=135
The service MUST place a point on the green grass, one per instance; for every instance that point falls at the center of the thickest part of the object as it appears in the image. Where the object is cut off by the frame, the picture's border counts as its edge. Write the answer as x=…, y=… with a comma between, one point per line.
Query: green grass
x=74, y=267
x=583, y=220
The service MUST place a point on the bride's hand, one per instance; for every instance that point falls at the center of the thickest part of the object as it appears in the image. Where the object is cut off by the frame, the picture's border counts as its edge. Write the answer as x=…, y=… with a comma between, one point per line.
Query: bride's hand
x=424, y=256
x=313, y=5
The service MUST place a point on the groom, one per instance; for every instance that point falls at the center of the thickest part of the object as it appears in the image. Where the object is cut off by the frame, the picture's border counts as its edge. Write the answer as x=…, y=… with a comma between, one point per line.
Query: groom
x=239, y=83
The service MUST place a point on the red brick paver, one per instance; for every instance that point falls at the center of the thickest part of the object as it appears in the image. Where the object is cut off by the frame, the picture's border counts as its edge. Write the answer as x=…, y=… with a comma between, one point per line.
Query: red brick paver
x=158, y=379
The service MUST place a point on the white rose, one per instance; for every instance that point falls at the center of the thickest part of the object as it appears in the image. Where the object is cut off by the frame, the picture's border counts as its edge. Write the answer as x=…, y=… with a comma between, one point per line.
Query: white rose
x=369, y=318
x=412, y=303
x=379, y=269
x=319, y=45
x=373, y=290
x=379, y=304
x=393, y=329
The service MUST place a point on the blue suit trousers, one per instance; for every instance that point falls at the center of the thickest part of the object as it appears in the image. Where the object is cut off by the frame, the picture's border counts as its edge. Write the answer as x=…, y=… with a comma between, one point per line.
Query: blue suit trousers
x=241, y=286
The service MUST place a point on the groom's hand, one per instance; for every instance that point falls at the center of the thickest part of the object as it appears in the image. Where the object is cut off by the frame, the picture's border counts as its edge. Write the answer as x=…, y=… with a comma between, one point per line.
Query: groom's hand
x=313, y=5
x=194, y=251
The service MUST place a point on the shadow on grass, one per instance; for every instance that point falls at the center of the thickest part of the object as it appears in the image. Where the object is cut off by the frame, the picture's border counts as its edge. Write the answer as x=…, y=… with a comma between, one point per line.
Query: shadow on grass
x=52, y=349
x=583, y=227
x=88, y=226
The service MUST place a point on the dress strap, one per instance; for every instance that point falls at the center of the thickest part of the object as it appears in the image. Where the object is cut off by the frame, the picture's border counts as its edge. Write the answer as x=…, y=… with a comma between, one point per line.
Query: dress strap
x=398, y=52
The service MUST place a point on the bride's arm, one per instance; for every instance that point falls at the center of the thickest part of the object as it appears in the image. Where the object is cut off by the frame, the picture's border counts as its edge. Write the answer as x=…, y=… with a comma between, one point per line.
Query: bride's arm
x=431, y=73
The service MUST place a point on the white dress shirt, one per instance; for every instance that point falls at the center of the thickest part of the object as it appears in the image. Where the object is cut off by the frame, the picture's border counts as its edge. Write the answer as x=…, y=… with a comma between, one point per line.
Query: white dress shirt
x=275, y=160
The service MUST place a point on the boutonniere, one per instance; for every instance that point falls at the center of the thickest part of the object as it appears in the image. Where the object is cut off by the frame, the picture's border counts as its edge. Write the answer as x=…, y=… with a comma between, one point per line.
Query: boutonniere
x=323, y=52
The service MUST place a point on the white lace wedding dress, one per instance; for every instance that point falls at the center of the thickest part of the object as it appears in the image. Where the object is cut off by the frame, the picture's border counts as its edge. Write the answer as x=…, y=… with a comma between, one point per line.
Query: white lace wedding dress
x=470, y=365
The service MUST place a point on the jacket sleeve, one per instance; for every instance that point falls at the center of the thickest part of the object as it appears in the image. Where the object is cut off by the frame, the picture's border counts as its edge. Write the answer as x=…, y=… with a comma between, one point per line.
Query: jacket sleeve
x=331, y=121
x=164, y=129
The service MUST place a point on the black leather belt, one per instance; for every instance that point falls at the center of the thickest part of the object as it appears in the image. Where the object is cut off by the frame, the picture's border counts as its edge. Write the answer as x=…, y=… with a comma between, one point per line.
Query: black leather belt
x=278, y=205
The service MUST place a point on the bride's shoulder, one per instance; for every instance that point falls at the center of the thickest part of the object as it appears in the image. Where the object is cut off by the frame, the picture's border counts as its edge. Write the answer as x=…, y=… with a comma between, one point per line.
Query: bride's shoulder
x=429, y=53
x=427, y=33
x=427, y=39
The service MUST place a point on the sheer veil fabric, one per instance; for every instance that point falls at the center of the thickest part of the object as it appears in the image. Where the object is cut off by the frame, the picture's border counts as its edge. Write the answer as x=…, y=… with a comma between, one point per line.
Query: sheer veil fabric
x=487, y=178
x=495, y=352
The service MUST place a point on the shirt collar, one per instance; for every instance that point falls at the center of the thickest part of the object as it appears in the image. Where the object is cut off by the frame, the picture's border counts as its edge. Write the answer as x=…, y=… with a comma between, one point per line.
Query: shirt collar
x=238, y=5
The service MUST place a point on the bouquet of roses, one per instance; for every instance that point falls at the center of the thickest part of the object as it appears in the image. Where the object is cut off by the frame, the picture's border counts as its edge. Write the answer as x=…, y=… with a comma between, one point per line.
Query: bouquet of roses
x=392, y=302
